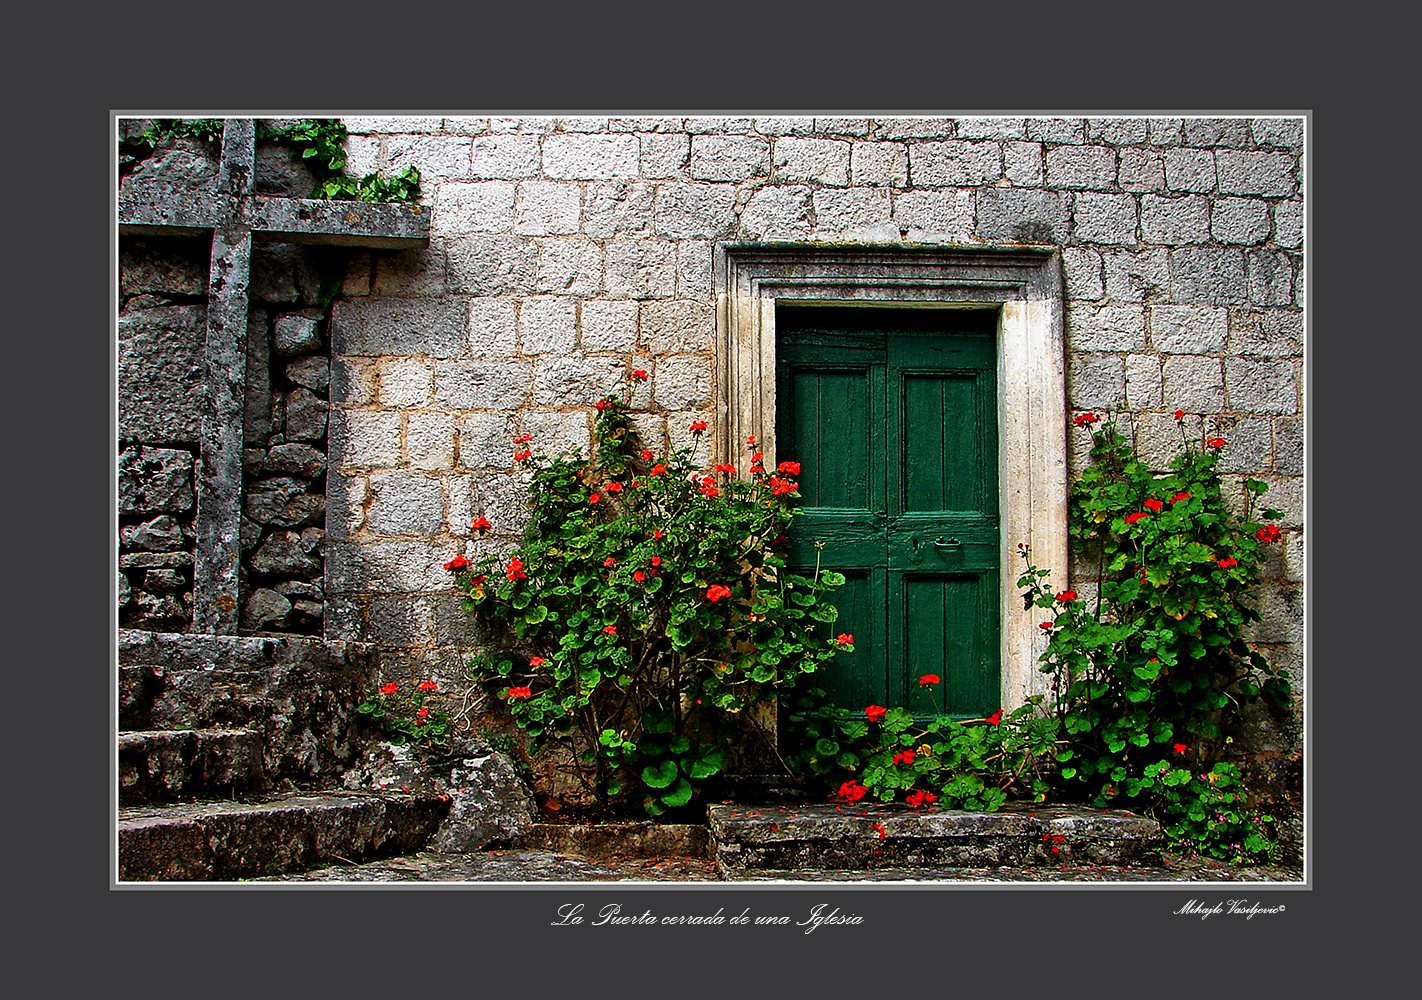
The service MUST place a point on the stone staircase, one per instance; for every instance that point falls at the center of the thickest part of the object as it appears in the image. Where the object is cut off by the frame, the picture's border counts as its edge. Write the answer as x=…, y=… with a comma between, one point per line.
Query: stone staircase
x=230, y=751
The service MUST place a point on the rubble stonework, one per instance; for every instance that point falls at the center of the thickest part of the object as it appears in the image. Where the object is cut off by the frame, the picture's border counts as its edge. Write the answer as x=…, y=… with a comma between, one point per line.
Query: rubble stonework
x=566, y=253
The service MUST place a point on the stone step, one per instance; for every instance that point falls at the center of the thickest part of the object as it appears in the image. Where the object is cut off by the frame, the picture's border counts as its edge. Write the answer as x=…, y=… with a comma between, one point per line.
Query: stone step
x=879, y=836
x=172, y=765
x=223, y=841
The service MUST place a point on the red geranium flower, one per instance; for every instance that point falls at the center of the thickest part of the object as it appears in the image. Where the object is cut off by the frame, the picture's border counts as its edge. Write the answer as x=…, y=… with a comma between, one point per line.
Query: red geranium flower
x=750, y=440
x=1180, y=747
x=390, y=688
x=536, y=661
x=1268, y=533
x=1133, y=518
x=594, y=498
x=609, y=630
x=520, y=692
x=609, y=561
x=519, y=456
x=875, y=712
x=1216, y=442
x=995, y=719
x=1047, y=625
x=602, y=404
x=1067, y=595
x=639, y=576
x=905, y=757
x=920, y=799
x=730, y=470
x=1086, y=420
x=514, y=570
x=614, y=487
x=658, y=469
x=845, y=639
x=715, y=592
x=928, y=679
x=1227, y=563
x=710, y=491
x=428, y=686
x=853, y=791
x=656, y=560
x=423, y=713
x=657, y=534
x=788, y=468
x=646, y=456
x=1154, y=505
x=698, y=426
x=1179, y=414
x=780, y=486
x=457, y=563
x=1179, y=496
x=481, y=525
x=640, y=375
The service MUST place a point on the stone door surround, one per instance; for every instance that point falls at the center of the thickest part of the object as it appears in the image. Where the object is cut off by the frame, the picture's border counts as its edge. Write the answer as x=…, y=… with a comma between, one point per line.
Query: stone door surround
x=1024, y=284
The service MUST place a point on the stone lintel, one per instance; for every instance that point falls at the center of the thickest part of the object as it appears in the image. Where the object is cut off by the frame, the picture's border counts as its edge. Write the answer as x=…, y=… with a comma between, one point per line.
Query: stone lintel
x=380, y=225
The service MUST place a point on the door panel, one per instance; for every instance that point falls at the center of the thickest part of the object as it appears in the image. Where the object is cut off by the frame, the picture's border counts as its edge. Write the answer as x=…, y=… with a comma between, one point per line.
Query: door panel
x=892, y=414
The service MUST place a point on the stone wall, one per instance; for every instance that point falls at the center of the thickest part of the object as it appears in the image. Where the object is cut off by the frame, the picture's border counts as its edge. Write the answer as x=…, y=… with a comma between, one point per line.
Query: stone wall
x=566, y=252
x=162, y=296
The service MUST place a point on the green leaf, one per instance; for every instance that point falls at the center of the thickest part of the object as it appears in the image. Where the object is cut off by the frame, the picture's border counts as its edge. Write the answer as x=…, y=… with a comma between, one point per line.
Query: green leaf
x=659, y=775
x=679, y=796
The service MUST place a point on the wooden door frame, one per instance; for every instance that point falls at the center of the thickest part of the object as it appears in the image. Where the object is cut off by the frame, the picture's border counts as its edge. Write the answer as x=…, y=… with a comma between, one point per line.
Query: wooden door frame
x=1024, y=284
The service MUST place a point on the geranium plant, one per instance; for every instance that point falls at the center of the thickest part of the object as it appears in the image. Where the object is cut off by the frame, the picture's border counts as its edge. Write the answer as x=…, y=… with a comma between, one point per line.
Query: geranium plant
x=1150, y=674
x=647, y=605
x=404, y=717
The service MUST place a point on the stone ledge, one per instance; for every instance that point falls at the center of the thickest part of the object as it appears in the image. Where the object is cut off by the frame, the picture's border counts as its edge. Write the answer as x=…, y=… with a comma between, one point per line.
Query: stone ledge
x=230, y=840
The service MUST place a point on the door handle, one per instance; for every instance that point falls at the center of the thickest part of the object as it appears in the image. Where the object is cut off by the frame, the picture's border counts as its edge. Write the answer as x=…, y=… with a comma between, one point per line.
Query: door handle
x=951, y=543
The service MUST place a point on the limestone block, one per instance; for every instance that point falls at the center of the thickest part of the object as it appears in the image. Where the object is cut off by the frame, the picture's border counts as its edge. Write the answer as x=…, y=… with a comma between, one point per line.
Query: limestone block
x=387, y=566
x=405, y=504
x=682, y=383
x=1271, y=278
x=641, y=269
x=1190, y=170
x=1249, y=448
x=161, y=373
x=663, y=155
x=547, y=208
x=913, y=128
x=548, y=324
x=930, y=216
x=615, y=208
x=380, y=326
x=572, y=381
x=283, y=552
x=1017, y=215
x=954, y=163
x=1082, y=270
x=1257, y=173
x=842, y=126
x=878, y=163
x=1022, y=163
x=435, y=156
x=1208, y=274
x=1057, y=130
x=295, y=459
x=823, y=161
x=473, y=207
x=504, y=157
x=1165, y=131
x=784, y=125
x=155, y=480
x=609, y=325
x=1105, y=218
x=849, y=211
x=1096, y=381
x=1188, y=329
x=729, y=157
x=405, y=381
x=1261, y=386
x=1136, y=275
x=365, y=439
x=569, y=266
x=1092, y=167
x=1105, y=327
x=1216, y=131
x=1284, y=132
x=486, y=440
x=1193, y=383
x=1288, y=224
x=481, y=385
x=1144, y=385
x=493, y=327
x=671, y=326
x=590, y=157
x=695, y=211
x=991, y=128
x=695, y=268
x=558, y=432
x=1289, y=446
x=1117, y=131
x=1141, y=170
x=266, y=611
x=1239, y=220
x=778, y=213
x=1174, y=220
x=429, y=440
x=162, y=267
x=174, y=172
x=162, y=534
x=305, y=415
x=311, y=372
x=354, y=381
x=283, y=501
x=492, y=265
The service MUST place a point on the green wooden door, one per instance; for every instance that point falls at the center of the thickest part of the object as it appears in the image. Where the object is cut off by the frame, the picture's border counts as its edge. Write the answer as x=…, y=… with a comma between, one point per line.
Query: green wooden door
x=892, y=414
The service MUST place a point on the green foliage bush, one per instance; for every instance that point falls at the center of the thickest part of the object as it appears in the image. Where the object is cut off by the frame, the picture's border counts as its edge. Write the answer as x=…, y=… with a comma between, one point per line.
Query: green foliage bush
x=646, y=609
